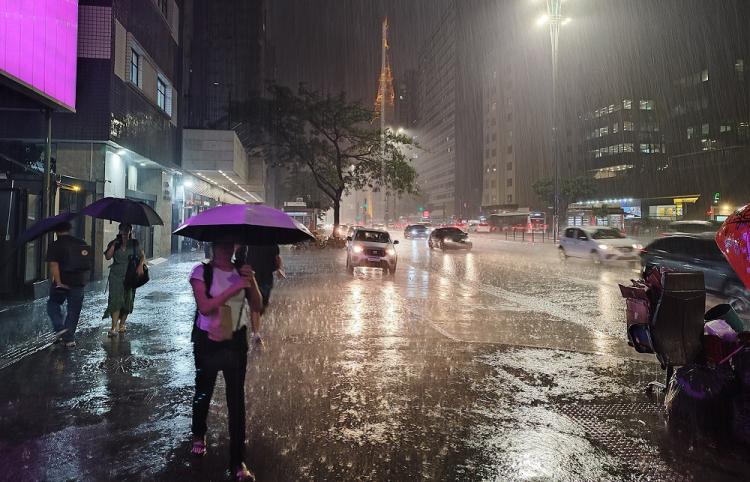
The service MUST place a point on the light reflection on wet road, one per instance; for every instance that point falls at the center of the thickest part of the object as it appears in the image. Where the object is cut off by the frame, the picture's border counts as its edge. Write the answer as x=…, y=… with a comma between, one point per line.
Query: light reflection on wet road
x=463, y=366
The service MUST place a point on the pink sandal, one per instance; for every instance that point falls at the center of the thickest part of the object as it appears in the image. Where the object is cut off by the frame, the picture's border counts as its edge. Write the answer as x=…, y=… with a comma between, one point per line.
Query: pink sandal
x=199, y=447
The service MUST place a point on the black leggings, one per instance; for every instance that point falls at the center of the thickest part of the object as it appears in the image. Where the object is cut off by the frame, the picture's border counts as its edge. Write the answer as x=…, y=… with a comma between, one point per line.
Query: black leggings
x=229, y=357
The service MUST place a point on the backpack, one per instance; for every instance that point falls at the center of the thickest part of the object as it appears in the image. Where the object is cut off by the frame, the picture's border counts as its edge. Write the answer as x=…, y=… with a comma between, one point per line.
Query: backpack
x=77, y=258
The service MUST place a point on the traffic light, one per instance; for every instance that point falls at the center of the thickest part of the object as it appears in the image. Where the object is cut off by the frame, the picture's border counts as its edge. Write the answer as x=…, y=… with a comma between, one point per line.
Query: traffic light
x=365, y=206
x=716, y=198
x=421, y=209
x=357, y=218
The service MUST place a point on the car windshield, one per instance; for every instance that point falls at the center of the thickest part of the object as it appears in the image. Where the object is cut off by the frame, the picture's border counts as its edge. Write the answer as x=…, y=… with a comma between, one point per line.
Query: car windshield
x=418, y=228
x=606, y=233
x=373, y=237
x=453, y=231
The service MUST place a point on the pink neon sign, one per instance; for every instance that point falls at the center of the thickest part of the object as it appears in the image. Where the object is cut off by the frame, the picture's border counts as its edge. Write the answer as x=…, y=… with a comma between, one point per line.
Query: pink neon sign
x=38, y=46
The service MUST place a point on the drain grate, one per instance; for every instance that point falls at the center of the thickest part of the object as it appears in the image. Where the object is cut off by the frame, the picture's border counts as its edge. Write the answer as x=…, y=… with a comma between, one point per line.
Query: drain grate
x=619, y=445
x=135, y=398
x=125, y=365
x=615, y=409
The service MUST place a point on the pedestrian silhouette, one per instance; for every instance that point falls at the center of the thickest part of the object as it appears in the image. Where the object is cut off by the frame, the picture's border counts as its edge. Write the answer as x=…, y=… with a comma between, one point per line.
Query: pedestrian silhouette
x=121, y=299
x=220, y=291
x=265, y=260
x=69, y=261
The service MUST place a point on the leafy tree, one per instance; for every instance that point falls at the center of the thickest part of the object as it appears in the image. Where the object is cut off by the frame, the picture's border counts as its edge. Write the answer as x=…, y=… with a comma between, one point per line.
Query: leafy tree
x=332, y=138
x=569, y=191
x=600, y=211
x=410, y=204
x=301, y=184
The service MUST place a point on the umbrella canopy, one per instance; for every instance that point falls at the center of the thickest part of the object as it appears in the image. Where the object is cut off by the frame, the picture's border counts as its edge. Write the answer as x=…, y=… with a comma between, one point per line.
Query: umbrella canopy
x=123, y=211
x=42, y=227
x=733, y=239
x=254, y=224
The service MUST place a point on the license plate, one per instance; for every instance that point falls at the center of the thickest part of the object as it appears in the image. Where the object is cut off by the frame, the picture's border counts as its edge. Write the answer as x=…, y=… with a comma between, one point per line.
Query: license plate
x=373, y=258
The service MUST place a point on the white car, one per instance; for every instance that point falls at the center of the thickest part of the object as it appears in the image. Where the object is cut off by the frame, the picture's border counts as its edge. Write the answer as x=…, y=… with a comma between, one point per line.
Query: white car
x=599, y=244
x=371, y=248
x=482, y=228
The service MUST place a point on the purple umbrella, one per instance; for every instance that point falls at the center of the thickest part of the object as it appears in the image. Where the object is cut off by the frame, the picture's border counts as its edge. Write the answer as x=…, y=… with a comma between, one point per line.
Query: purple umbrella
x=123, y=211
x=254, y=224
x=39, y=228
x=43, y=226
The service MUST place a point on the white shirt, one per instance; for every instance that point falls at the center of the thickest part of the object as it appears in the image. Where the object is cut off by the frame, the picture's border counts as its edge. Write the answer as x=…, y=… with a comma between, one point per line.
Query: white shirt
x=221, y=281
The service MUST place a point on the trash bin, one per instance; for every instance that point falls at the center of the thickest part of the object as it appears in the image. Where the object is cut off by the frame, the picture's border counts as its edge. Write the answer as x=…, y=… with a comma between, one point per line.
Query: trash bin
x=678, y=320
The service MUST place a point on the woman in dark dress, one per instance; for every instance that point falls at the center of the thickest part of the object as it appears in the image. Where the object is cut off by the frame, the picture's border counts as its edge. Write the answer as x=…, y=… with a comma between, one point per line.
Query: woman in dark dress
x=121, y=300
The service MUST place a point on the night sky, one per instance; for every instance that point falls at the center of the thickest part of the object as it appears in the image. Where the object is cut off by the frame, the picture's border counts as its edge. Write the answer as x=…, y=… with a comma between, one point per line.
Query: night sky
x=335, y=44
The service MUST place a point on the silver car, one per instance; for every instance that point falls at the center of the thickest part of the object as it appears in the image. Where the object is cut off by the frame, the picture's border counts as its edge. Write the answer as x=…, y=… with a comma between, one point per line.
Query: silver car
x=371, y=248
x=598, y=243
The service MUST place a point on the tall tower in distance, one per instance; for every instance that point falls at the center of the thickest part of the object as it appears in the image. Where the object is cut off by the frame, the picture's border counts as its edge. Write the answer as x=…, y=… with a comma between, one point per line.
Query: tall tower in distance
x=386, y=96
x=384, y=105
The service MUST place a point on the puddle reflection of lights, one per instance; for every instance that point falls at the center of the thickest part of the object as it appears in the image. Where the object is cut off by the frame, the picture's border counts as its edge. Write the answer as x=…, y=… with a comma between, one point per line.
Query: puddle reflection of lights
x=446, y=288
x=355, y=304
x=610, y=303
x=417, y=284
x=449, y=264
x=389, y=300
x=472, y=268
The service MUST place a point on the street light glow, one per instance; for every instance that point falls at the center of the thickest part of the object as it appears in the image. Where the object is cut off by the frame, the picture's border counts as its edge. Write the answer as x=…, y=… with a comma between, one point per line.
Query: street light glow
x=567, y=21
x=542, y=20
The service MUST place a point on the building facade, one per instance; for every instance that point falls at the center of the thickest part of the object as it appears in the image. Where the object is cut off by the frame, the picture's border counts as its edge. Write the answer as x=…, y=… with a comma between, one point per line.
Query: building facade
x=436, y=164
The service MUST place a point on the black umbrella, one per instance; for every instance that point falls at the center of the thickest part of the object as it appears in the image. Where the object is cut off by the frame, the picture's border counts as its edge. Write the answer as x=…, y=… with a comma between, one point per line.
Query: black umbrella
x=42, y=227
x=123, y=211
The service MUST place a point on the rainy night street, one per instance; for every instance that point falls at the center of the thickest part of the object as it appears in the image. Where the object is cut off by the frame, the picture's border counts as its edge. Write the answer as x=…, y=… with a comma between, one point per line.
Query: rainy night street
x=501, y=363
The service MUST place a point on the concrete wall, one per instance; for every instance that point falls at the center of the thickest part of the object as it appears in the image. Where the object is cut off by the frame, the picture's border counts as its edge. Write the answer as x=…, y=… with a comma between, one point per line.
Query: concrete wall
x=159, y=183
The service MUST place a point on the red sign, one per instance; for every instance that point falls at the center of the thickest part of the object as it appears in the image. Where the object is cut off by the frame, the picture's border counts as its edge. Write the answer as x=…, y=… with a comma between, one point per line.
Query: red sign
x=426, y=214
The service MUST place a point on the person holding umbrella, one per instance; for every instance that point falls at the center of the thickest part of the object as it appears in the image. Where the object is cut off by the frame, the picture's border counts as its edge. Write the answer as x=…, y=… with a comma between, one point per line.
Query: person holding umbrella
x=121, y=299
x=69, y=261
x=221, y=289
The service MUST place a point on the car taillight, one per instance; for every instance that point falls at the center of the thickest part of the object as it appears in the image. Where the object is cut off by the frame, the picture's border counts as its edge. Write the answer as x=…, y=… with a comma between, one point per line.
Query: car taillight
x=642, y=251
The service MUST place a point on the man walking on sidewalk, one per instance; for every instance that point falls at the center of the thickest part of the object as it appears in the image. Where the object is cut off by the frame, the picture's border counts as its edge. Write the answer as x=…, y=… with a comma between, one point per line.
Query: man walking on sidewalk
x=69, y=261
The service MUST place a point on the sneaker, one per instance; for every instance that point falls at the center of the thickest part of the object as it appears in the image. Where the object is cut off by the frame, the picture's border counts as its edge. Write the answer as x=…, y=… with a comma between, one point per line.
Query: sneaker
x=256, y=339
x=70, y=344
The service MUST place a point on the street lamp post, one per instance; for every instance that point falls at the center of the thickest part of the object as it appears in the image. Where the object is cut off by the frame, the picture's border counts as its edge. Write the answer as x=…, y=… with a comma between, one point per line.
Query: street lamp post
x=554, y=18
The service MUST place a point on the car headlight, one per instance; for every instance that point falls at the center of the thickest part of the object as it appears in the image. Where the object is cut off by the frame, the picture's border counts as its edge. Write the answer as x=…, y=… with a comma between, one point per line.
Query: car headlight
x=390, y=251
x=638, y=246
x=357, y=248
x=447, y=240
x=604, y=246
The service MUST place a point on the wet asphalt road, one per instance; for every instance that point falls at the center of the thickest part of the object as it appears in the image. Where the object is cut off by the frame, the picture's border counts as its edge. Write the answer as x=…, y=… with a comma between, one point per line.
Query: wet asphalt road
x=503, y=363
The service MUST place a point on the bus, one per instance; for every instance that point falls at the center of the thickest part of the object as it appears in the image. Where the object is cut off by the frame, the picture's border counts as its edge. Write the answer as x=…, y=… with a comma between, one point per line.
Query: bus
x=530, y=222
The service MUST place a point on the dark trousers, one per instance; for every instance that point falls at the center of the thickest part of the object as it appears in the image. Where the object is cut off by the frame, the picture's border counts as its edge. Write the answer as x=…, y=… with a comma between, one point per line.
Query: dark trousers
x=230, y=358
x=74, y=297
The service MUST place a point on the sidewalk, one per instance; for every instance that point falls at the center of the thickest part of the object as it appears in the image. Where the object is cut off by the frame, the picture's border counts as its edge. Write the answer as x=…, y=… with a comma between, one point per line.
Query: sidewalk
x=25, y=327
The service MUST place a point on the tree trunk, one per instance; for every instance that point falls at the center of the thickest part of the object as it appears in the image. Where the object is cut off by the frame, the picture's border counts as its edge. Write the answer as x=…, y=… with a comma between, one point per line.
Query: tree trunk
x=336, y=215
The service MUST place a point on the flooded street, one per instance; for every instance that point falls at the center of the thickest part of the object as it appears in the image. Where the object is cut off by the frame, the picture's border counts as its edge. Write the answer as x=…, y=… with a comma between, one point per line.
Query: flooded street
x=502, y=363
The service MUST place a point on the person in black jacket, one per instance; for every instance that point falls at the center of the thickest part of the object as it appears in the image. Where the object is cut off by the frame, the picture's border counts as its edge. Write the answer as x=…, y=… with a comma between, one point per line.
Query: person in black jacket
x=265, y=260
x=68, y=281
